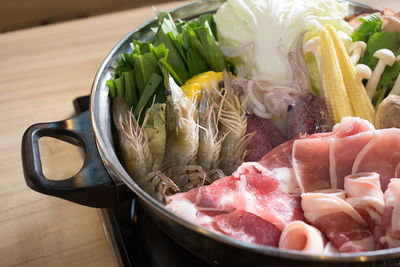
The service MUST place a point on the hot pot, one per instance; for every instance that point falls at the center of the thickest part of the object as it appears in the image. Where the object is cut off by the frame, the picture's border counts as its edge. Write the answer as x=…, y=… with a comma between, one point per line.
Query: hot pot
x=103, y=182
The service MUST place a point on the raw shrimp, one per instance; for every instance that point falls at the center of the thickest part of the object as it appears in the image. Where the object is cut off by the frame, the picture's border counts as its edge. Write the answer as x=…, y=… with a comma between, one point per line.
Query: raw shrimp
x=133, y=141
x=233, y=125
x=209, y=139
x=182, y=134
x=135, y=150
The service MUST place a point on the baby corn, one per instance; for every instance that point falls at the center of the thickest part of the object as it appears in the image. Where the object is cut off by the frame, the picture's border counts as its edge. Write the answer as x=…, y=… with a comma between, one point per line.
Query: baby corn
x=360, y=102
x=333, y=86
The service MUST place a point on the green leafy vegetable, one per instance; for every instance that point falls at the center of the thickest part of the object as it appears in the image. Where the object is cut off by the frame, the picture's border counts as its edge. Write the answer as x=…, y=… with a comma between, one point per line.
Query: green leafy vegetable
x=179, y=49
x=151, y=86
x=370, y=24
x=370, y=32
x=379, y=40
x=131, y=97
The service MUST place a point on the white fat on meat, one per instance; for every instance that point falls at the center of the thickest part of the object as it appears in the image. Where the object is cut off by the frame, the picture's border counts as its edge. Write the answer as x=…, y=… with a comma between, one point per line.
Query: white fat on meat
x=333, y=192
x=329, y=249
x=318, y=204
x=338, y=221
x=301, y=236
x=392, y=200
x=187, y=209
x=367, y=242
x=350, y=125
x=284, y=175
x=364, y=193
x=287, y=182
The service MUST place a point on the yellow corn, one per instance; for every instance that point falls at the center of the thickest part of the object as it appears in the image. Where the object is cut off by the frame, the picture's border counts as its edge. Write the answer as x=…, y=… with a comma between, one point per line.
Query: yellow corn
x=359, y=99
x=333, y=86
x=206, y=80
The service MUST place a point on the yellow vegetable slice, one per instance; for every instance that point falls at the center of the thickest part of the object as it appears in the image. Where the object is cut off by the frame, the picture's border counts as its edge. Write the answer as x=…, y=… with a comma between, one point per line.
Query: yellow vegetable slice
x=333, y=86
x=360, y=101
x=206, y=80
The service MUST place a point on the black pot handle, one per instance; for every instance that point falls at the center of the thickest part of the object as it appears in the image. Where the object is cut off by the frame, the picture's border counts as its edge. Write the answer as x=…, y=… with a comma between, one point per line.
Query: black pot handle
x=91, y=186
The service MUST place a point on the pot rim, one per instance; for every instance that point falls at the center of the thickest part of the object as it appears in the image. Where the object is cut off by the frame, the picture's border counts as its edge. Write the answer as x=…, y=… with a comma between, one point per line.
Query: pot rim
x=100, y=121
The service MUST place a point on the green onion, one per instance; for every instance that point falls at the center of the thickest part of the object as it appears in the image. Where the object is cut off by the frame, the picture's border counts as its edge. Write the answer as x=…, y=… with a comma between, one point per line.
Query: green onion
x=119, y=83
x=148, y=92
x=131, y=97
x=112, y=88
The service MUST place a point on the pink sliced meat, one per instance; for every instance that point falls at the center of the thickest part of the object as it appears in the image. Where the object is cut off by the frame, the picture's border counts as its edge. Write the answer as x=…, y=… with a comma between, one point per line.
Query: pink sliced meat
x=301, y=236
x=247, y=227
x=183, y=205
x=351, y=126
x=391, y=218
x=263, y=194
x=279, y=162
x=280, y=156
x=339, y=221
x=312, y=156
x=364, y=193
x=381, y=155
x=251, y=188
x=311, y=164
x=343, y=152
x=252, y=191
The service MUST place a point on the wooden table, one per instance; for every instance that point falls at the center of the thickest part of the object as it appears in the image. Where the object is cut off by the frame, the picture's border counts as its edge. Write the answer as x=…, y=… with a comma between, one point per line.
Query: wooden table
x=41, y=71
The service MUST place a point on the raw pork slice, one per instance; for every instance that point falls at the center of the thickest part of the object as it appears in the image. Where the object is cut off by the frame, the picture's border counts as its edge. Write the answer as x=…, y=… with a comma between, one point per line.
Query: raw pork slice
x=279, y=162
x=238, y=224
x=313, y=159
x=391, y=218
x=338, y=220
x=235, y=204
x=381, y=155
x=342, y=154
x=364, y=193
x=311, y=164
x=247, y=227
x=251, y=188
x=301, y=236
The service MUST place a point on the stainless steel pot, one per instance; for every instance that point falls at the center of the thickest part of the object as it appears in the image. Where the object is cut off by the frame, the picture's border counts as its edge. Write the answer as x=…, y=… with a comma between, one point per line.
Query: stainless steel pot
x=103, y=182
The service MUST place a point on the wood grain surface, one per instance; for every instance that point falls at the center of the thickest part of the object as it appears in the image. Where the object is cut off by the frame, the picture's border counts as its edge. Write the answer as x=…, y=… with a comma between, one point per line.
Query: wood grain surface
x=41, y=71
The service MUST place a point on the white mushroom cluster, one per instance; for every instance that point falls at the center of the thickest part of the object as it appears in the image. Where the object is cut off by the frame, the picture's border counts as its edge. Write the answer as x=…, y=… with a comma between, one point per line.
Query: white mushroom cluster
x=386, y=58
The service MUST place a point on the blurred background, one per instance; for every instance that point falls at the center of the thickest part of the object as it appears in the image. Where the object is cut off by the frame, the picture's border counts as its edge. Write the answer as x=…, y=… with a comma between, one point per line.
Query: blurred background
x=19, y=14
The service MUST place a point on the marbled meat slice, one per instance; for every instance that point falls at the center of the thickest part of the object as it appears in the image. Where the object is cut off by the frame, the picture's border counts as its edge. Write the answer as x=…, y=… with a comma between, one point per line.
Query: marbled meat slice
x=339, y=221
x=391, y=217
x=247, y=227
x=364, y=193
x=251, y=188
x=252, y=191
